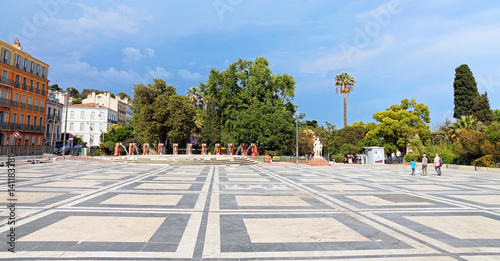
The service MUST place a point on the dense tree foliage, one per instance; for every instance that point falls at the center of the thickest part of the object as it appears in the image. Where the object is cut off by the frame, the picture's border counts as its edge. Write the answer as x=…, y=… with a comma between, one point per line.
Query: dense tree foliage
x=55, y=87
x=211, y=126
x=123, y=95
x=497, y=114
x=73, y=92
x=399, y=124
x=161, y=115
x=118, y=133
x=253, y=104
x=348, y=135
x=465, y=91
x=481, y=109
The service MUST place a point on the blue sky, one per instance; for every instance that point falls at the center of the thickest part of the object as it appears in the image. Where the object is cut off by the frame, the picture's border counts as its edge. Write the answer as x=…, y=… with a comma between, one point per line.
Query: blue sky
x=395, y=49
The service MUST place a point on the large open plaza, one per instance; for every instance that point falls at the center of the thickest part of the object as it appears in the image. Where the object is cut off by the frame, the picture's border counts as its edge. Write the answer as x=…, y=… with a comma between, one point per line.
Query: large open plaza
x=91, y=210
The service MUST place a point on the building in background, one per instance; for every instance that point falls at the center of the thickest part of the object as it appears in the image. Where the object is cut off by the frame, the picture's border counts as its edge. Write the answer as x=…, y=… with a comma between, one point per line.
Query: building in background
x=128, y=113
x=54, y=116
x=23, y=96
x=89, y=120
x=104, y=99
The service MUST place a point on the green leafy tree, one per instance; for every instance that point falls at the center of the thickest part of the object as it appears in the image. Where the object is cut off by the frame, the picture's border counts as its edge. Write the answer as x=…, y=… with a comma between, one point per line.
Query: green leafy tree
x=118, y=133
x=400, y=124
x=76, y=101
x=211, y=126
x=497, y=114
x=86, y=92
x=55, y=87
x=493, y=132
x=123, y=95
x=345, y=85
x=348, y=135
x=481, y=109
x=253, y=104
x=73, y=92
x=161, y=115
x=465, y=91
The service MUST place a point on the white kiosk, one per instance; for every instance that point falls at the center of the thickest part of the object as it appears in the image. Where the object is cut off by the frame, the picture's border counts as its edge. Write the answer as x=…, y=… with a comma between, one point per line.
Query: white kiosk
x=375, y=155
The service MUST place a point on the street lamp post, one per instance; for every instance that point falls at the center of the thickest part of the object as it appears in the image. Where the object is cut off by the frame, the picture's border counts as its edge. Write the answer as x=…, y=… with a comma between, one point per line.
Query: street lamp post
x=65, y=125
x=297, y=132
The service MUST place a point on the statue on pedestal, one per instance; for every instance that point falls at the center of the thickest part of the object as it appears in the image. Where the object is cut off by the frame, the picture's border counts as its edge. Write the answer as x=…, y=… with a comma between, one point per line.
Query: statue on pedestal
x=318, y=148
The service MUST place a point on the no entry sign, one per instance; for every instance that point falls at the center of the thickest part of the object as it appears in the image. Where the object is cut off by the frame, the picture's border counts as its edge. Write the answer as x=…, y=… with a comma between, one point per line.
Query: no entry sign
x=17, y=134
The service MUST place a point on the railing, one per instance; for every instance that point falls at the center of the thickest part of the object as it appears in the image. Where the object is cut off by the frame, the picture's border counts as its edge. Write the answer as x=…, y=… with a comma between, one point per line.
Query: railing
x=32, y=89
x=35, y=108
x=15, y=104
x=43, y=92
x=37, y=91
x=48, y=137
x=42, y=109
x=30, y=107
x=23, y=105
x=52, y=99
x=9, y=82
x=19, y=126
x=5, y=102
x=25, y=150
x=24, y=86
x=52, y=117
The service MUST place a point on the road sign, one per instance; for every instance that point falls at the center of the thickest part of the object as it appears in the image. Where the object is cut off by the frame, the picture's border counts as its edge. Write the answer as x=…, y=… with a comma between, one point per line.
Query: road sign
x=71, y=136
x=17, y=134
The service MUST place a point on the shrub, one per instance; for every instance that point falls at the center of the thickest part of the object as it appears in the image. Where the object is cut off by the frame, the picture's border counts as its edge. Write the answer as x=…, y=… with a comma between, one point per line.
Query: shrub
x=338, y=158
x=485, y=161
x=449, y=158
x=416, y=157
x=97, y=153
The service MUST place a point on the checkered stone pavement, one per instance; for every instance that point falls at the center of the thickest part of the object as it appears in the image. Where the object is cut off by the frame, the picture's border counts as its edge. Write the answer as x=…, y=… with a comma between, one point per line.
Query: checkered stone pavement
x=72, y=210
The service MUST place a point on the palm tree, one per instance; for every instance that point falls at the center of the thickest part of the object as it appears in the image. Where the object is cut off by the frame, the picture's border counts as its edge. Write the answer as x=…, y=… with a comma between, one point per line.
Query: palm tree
x=203, y=98
x=194, y=94
x=345, y=84
x=466, y=122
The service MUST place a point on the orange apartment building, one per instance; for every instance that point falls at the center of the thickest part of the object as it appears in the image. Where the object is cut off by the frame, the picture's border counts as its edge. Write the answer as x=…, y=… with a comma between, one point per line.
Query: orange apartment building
x=23, y=96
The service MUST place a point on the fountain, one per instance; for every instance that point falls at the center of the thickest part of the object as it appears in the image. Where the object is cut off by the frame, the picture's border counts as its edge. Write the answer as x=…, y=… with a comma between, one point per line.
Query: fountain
x=118, y=150
x=176, y=148
x=230, y=149
x=145, y=149
x=160, y=148
x=204, y=149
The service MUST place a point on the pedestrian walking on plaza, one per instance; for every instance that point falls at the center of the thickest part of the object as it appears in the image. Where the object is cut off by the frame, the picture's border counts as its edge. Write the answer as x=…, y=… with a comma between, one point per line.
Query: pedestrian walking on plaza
x=425, y=160
x=413, y=164
x=437, y=164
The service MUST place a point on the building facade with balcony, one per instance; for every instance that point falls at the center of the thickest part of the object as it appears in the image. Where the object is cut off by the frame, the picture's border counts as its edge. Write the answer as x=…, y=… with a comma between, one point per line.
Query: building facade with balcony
x=104, y=99
x=23, y=96
x=53, y=118
x=88, y=121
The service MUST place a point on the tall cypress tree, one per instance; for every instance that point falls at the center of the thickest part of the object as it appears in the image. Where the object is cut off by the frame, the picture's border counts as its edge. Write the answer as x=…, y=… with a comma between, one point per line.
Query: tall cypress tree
x=481, y=109
x=211, y=125
x=465, y=91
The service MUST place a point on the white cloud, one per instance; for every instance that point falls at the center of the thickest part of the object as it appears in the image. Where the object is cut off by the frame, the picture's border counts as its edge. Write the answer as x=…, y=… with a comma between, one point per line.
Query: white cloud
x=158, y=72
x=134, y=55
x=188, y=75
x=348, y=56
x=123, y=19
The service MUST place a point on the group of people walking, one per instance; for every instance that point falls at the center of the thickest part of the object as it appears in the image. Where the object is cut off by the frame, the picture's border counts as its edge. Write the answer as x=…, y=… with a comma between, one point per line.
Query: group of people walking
x=438, y=162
